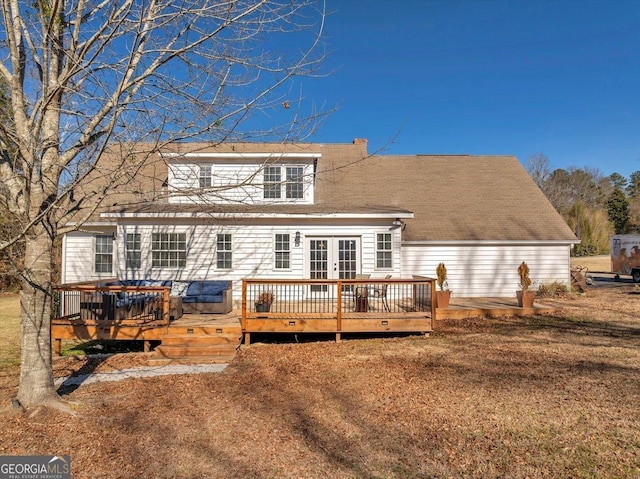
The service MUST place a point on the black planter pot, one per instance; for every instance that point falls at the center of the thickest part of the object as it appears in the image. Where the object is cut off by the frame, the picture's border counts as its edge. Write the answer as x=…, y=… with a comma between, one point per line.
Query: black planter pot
x=263, y=307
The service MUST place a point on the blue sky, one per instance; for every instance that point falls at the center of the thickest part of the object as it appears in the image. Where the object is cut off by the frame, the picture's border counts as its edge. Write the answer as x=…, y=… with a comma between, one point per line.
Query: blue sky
x=560, y=78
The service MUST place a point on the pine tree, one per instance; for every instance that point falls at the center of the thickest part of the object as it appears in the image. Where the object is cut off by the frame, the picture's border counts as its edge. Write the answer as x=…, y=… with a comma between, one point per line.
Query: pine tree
x=618, y=210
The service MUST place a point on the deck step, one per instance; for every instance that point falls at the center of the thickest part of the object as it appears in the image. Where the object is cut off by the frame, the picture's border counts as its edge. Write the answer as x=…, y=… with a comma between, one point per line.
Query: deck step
x=160, y=361
x=192, y=340
x=197, y=347
x=205, y=330
x=186, y=351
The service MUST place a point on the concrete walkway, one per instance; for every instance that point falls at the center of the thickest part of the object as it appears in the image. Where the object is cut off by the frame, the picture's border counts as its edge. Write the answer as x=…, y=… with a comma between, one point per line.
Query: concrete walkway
x=141, y=372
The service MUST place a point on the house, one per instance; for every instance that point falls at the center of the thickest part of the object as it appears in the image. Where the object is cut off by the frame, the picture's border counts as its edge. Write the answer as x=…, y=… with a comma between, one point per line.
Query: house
x=259, y=210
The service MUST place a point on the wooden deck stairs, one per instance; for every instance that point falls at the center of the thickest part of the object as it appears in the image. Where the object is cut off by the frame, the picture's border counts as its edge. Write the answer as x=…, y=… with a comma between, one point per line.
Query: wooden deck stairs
x=197, y=345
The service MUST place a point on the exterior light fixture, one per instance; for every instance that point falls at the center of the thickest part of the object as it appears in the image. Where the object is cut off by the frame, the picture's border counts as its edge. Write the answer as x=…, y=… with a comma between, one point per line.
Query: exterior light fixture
x=398, y=223
x=297, y=238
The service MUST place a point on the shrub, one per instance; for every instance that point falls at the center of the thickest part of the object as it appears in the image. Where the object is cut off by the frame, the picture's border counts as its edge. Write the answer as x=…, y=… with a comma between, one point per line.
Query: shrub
x=441, y=274
x=552, y=290
x=523, y=272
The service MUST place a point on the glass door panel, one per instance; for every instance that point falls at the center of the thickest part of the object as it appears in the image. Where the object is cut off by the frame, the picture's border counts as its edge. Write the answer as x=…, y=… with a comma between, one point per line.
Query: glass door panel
x=333, y=258
x=318, y=262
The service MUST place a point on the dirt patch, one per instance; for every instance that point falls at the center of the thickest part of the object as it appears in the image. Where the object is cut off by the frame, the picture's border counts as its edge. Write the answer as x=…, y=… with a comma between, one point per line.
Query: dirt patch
x=549, y=396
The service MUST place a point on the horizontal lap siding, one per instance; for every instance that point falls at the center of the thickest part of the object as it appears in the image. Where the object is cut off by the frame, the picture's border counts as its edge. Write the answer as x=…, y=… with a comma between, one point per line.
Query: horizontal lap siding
x=78, y=262
x=240, y=183
x=253, y=250
x=488, y=270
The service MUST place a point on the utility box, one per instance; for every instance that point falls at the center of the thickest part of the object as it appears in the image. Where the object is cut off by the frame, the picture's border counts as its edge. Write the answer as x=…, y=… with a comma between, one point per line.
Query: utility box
x=625, y=256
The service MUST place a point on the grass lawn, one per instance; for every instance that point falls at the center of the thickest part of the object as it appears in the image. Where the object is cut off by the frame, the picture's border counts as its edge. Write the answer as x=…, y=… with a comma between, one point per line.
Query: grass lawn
x=9, y=331
x=542, y=397
x=595, y=264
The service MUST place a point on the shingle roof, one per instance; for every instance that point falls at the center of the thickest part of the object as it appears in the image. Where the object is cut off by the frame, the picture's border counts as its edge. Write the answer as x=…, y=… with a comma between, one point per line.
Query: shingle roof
x=452, y=197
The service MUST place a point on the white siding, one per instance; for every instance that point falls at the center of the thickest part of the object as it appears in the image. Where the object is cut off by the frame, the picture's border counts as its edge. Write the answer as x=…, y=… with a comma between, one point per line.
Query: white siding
x=473, y=270
x=245, y=180
x=488, y=270
x=78, y=256
x=253, y=248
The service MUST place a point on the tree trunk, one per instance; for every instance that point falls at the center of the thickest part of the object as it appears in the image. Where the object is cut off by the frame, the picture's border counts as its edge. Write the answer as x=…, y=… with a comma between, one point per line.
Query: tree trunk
x=36, y=374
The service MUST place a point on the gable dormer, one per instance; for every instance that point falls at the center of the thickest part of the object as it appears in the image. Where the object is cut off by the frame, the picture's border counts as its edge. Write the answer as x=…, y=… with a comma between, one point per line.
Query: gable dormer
x=249, y=178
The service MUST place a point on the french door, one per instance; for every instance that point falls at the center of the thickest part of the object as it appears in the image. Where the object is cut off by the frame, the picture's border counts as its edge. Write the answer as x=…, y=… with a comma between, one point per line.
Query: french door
x=332, y=257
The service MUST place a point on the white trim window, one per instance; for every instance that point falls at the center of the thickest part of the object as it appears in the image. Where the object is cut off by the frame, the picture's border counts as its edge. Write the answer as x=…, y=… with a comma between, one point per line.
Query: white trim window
x=384, y=251
x=168, y=250
x=205, y=176
x=293, y=184
x=272, y=180
x=282, y=251
x=103, y=257
x=133, y=251
x=224, y=251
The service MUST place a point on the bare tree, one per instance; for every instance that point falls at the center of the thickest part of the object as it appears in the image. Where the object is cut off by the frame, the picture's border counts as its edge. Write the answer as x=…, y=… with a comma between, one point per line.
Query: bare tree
x=85, y=75
x=539, y=169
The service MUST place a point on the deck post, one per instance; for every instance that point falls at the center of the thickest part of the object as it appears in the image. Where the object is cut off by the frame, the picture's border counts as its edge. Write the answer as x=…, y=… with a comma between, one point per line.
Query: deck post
x=57, y=347
x=244, y=307
x=338, y=337
x=147, y=346
x=433, y=304
x=166, y=308
x=247, y=339
x=339, y=312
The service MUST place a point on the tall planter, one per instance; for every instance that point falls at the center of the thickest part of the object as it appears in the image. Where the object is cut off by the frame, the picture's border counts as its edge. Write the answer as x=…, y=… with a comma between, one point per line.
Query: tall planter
x=443, y=298
x=525, y=298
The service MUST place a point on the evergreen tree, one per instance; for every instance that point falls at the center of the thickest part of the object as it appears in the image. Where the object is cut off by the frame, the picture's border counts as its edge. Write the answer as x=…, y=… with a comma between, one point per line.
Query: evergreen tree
x=618, y=210
x=633, y=188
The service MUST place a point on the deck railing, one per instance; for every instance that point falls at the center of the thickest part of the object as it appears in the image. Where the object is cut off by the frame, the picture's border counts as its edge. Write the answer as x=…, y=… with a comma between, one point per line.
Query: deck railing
x=117, y=304
x=338, y=305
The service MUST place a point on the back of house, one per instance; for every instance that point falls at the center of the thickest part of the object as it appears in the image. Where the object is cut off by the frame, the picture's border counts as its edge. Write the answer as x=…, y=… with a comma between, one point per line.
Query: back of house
x=323, y=211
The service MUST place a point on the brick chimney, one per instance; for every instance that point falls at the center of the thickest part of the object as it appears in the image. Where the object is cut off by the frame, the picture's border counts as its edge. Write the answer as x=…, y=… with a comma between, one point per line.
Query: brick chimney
x=362, y=143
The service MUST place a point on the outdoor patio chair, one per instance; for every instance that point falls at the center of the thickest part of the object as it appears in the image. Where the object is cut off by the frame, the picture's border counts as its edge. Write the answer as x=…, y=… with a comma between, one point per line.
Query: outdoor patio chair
x=380, y=293
x=360, y=298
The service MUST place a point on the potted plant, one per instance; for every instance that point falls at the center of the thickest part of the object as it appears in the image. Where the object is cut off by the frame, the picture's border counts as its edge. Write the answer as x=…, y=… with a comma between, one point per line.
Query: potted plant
x=525, y=297
x=443, y=295
x=263, y=303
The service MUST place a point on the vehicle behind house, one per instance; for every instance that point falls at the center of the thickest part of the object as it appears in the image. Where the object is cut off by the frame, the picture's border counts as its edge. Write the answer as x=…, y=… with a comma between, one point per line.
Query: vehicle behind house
x=625, y=256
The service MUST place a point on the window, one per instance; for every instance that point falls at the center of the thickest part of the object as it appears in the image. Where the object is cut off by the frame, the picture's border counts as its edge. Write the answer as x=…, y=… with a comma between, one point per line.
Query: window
x=205, y=177
x=384, y=251
x=104, y=254
x=282, y=251
x=224, y=252
x=133, y=251
x=169, y=250
x=272, y=178
x=294, y=184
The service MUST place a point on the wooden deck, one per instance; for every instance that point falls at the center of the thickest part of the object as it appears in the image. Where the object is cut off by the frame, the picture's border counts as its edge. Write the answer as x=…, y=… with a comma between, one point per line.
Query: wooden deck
x=468, y=308
x=200, y=338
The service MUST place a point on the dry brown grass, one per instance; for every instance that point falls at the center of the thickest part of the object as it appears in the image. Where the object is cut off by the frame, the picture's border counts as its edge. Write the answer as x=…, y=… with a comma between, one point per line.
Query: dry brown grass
x=9, y=331
x=541, y=397
x=599, y=264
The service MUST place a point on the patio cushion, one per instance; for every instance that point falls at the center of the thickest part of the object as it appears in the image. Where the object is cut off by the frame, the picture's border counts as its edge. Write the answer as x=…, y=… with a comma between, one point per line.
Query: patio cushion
x=213, y=288
x=194, y=288
x=210, y=298
x=179, y=288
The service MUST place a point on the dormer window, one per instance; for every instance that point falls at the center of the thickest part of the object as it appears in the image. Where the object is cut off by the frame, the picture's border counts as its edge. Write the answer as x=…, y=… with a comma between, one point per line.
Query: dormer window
x=293, y=185
x=205, y=176
x=272, y=182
